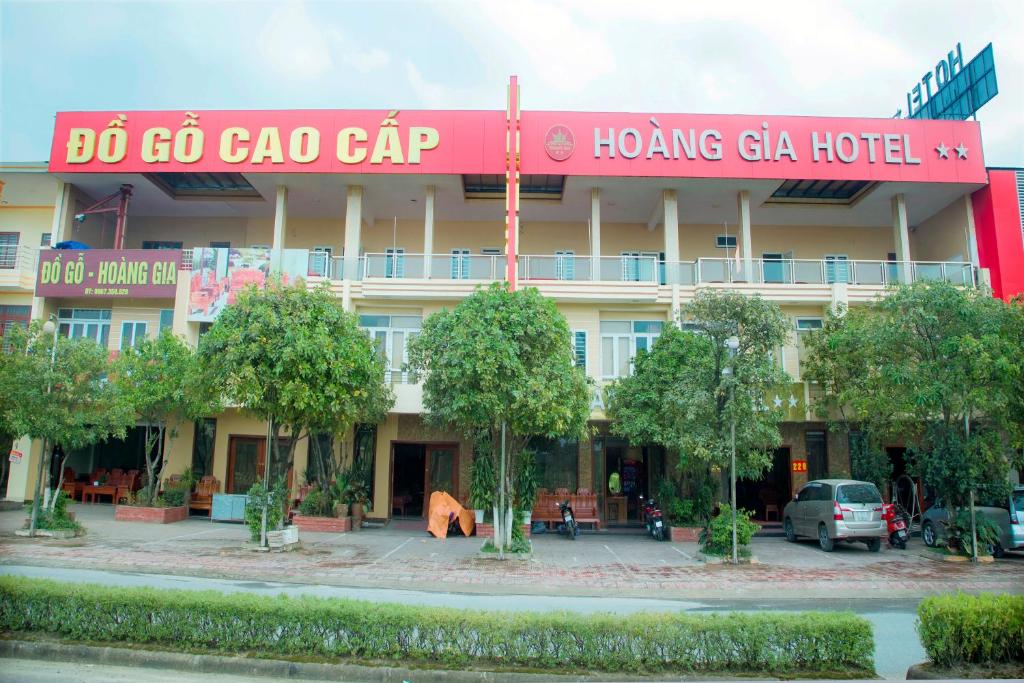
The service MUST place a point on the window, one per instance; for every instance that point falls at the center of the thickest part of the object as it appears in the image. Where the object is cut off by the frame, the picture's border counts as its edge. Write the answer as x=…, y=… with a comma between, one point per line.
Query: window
x=220, y=245
x=858, y=494
x=836, y=268
x=391, y=335
x=364, y=447
x=565, y=265
x=11, y=316
x=394, y=263
x=817, y=455
x=459, y=264
x=217, y=185
x=805, y=324
x=491, y=251
x=160, y=244
x=579, y=349
x=773, y=267
x=725, y=241
x=620, y=340
x=166, y=319
x=8, y=249
x=492, y=186
x=639, y=266
x=132, y=334
x=44, y=241
x=204, y=328
x=319, y=261
x=557, y=463
x=202, y=446
x=87, y=323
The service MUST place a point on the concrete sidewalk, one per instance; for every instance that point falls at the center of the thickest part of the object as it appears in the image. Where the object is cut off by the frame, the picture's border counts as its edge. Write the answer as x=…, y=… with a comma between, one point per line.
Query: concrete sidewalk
x=594, y=565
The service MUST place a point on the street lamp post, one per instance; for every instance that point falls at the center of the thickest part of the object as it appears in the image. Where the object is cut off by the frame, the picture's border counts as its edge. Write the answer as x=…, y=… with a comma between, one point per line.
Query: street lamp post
x=733, y=345
x=49, y=327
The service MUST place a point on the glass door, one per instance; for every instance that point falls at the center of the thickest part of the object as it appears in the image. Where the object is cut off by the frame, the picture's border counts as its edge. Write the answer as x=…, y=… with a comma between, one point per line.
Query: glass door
x=245, y=463
x=442, y=472
x=773, y=268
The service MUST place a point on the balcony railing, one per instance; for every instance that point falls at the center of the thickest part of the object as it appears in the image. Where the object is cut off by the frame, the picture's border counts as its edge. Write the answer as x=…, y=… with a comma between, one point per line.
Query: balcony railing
x=629, y=268
x=442, y=266
x=607, y=268
x=819, y=272
x=18, y=265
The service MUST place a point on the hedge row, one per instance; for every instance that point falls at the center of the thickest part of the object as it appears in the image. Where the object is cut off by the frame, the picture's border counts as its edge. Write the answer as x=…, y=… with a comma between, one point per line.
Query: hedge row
x=968, y=629
x=306, y=626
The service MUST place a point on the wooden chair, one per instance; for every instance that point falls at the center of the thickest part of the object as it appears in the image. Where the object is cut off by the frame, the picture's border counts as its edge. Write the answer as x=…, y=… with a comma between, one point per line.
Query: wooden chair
x=585, y=507
x=202, y=499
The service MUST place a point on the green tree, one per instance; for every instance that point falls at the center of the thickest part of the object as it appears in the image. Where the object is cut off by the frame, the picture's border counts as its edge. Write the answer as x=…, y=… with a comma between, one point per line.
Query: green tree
x=681, y=397
x=160, y=380
x=295, y=358
x=501, y=363
x=60, y=393
x=940, y=367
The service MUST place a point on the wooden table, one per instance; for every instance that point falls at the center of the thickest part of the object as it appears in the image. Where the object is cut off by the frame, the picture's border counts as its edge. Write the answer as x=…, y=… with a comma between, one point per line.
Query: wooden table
x=620, y=508
x=90, y=492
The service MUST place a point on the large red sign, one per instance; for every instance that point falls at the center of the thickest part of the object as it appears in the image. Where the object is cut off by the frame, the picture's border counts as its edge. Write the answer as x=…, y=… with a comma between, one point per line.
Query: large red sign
x=295, y=141
x=108, y=273
x=769, y=147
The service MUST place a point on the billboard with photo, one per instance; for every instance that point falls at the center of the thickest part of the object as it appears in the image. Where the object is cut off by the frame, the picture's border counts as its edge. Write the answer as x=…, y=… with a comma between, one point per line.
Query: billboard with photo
x=219, y=275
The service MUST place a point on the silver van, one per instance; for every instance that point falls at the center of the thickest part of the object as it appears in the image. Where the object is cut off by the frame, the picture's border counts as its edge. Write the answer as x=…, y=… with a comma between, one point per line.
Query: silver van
x=836, y=510
x=1008, y=516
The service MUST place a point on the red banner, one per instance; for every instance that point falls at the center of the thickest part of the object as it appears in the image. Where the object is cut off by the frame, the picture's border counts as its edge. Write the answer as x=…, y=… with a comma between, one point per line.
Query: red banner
x=295, y=141
x=108, y=273
x=769, y=147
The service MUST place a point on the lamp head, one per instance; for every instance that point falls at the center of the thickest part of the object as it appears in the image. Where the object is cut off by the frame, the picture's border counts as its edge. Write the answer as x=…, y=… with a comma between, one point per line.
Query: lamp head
x=732, y=343
x=49, y=327
x=79, y=217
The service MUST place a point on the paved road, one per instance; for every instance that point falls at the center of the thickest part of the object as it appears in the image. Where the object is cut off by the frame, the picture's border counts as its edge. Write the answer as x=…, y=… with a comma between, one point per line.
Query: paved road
x=896, y=642
x=35, y=671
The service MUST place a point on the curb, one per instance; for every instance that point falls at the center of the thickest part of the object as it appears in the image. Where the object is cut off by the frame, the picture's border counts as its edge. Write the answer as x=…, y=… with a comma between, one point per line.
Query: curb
x=244, y=666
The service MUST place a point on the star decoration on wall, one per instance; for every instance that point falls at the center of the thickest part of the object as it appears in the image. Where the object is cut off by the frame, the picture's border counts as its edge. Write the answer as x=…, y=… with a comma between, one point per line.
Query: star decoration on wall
x=792, y=401
x=942, y=150
x=961, y=151
x=777, y=401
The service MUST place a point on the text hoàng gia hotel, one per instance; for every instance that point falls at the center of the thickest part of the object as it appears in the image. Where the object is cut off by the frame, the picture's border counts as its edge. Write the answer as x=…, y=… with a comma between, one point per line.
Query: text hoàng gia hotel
x=619, y=217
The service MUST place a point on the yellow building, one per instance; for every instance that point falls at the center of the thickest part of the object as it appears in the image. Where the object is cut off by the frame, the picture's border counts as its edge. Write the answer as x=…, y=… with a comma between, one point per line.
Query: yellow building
x=404, y=213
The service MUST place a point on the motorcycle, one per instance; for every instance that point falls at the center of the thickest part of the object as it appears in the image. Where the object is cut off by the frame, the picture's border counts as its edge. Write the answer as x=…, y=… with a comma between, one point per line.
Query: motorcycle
x=569, y=525
x=653, y=519
x=896, y=524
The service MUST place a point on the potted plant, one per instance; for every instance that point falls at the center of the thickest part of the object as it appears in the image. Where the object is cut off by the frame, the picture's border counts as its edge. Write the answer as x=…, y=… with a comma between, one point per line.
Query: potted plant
x=526, y=485
x=339, y=492
x=481, y=488
x=358, y=497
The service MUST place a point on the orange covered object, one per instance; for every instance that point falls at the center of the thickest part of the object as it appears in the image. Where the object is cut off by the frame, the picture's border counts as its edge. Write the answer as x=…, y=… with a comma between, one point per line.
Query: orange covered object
x=440, y=511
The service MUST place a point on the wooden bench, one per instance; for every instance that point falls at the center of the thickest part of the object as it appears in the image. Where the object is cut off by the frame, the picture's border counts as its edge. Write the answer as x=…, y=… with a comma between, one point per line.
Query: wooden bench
x=584, y=507
x=202, y=499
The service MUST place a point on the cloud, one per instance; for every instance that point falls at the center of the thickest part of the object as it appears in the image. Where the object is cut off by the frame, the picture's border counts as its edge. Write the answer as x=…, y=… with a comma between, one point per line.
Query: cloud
x=293, y=44
x=365, y=62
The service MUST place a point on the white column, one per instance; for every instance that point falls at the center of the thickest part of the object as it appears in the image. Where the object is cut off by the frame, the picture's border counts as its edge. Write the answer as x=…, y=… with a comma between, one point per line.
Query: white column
x=972, y=235
x=353, y=227
x=595, y=233
x=428, y=232
x=671, y=203
x=901, y=236
x=280, y=225
x=60, y=230
x=743, y=203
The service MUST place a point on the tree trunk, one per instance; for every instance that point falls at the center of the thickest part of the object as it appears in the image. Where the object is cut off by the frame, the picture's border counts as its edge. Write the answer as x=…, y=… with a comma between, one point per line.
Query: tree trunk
x=60, y=482
x=497, y=529
x=509, y=523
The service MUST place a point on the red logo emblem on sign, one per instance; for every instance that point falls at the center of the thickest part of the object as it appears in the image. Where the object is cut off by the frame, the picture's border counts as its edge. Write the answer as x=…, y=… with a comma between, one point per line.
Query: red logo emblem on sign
x=559, y=142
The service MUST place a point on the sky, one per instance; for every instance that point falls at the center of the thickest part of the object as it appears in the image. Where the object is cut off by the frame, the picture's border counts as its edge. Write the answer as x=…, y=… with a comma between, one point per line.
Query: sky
x=827, y=58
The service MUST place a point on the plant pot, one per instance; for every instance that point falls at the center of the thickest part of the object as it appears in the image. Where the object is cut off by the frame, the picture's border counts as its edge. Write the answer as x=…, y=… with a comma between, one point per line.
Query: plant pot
x=479, y=514
x=684, y=534
x=331, y=525
x=128, y=513
x=341, y=510
x=357, y=516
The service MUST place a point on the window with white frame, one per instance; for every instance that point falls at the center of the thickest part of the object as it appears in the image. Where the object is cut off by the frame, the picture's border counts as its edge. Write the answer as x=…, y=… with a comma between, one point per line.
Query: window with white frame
x=565, y=265
x=391, y=335
x=725, y=241
x=166, y=319
x=87, y=323
x=459, y=263
x=394, y=262
x=837, y=268
x=579, y=349
x=806, y=324
x=320, y=261
x=620, y=341
x=133, y=333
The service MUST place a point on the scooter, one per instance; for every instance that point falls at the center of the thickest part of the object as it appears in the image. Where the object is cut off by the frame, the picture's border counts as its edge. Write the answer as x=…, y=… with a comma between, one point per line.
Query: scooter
x=569, y=525
x=896, y=525
x=653, y=519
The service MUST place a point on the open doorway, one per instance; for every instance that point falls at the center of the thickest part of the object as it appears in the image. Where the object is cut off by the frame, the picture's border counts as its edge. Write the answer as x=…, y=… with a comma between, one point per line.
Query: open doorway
x=629, y=464
x=769, y=494
x=407, y=482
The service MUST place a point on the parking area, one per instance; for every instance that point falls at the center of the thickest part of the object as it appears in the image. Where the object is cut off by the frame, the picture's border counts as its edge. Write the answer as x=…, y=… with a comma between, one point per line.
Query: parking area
x=594, y=564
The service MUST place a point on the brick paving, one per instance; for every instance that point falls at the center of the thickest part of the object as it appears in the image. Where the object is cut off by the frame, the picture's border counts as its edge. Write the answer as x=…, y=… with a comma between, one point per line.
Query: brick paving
x=595, y=564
